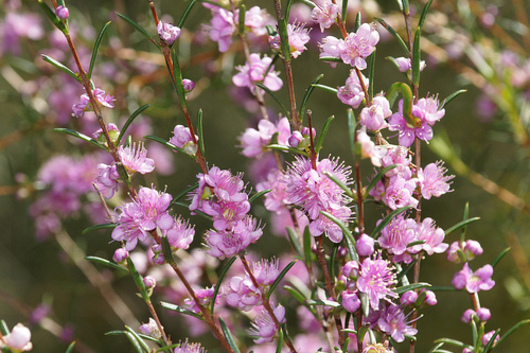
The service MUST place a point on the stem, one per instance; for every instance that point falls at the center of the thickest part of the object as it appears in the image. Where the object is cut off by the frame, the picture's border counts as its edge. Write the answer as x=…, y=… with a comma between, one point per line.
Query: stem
x=266, y=303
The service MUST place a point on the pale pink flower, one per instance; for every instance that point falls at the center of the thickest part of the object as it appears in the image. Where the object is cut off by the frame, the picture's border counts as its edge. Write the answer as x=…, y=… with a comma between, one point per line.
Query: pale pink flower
x=357, y=46
x=257, y=71
x=266, y=271
x=263, y=326
x=329, y=48
x=432, y=237
x=242, y=294
x=18, y=339
x=325, y=14
x=227, y=243
x=134, y=159
x=151, y=329
x=376, y=279
x=107, y=180
x=393, y=322
x=476, y=281
x=399, y=193
x=168, y=32
x=186, y=347
x=182, y=139
x=404, y=64
x=432, y=180
x=369, y=148
x=352, y=93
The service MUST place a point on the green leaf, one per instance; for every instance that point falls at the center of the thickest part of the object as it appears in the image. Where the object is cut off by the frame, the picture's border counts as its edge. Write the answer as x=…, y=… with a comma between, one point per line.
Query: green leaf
x=512, y=330
x=416, y=57
x=378, y=177
x=332, y=260
x=340, y=184
x=405, y=6
x=105, y=262
x=200, y=132
x=409, y=287
x=287, y=149
x=461, y=224
x=394, y=34
x=404, y=89
x=331, y=303
x=164, y=142
x=228, y=336
x=357, y=23
x=134, y=342
x=308, y=252
x=280, y=277
x=371, y=75
x=326, y=88
x=404, y=271
x=273, y=95
x=489, y=346
x=387, y=219
x=258, y=195
x=179, y=309
x=186, y=14
x=352, y=125
x=140, y=341
x=293, y=240
x=284, y=40
x=288, y=8
x=99, y=226
x=95, y=50
x=70, y=347
x=323, y=133
x=308, y=92
x=499, y=258
x=219, y=281
x=241, y=23
x=61, y=67
x=79, y=136
x=183, y=193
x=129, y=121
x=57, y=22
x=3, y=328
x=435, y=348
x=344, y=12
x=177, y=80
x=138, y=280
x=329, y=59
x=137, y=27
x=280, y=342
x=424, y=14
x=442, y=289
x=452, y=96
x=168, y=252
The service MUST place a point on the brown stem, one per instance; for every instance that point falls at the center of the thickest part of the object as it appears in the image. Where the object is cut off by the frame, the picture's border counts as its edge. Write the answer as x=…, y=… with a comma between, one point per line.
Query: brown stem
x=266, y=303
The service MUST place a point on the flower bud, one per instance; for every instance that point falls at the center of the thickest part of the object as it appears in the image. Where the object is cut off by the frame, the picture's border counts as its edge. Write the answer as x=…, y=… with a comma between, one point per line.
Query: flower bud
x=487, y=338
x=472, y=248
x=295, y=139
x=484, y=314
x=365, y=245
x=409, y=298
x=19, y=338
x=350, y=301
x=430, y=298
x=149, y=282
x=151, y=329
x=168, y=32
x=120, y=255
x=467, y=316
x=188, y=84
x=62, y=12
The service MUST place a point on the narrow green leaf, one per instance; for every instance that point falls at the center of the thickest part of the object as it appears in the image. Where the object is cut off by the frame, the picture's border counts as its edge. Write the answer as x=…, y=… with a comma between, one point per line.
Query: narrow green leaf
x=424, y=14
x=95, y=50
x=404, y=271
x=186, y=14
x=99, y=226
x=219, y=281
x=436, y=347
x=452, y=96
x=177, y=80
x=279, y=346
x=323, y=133
x=405, y=6
x=79, y=136
x=357, y=21
x=465, y=218
x=352, y=125
x=137, y=27
x=241, y=23
x=3, y=328
x=61, y=67
x=344, y=10
x=179, y=309
x=57, y=22
x=365, y=303
x=329, y=59
x=134, y=342
x=387, y=219
x=332, y=260
x=371, y=75
x=137, y=278
x=280, y=277
x=129, y=121
x=140, y=341
x=489, y=346
x=228, y=335
x=416, y=57
x=379, y=176
x=168, y=253
x=394, y=34
x=200, y=132
x=258, y=195
x=461, y=224
x=308, y=92
x=184, y=193
x=442, y=289
x=331, y=303
x=273, y=95
x=351, y=249
x=105, y=262
x=288, y=8
x=326, y=88
x=70, y=348
x=61, y=3
x=287, y=149
x=412, y=286
x=164, y=142
x=499, y=258
x=404, y=89
x=293, y=240
x=340, y=184
x=308, y=252
x=349, y=330
x=513, y=329
x=345, y=231
x=295, y=293
x=474, y=332
x=284, y=39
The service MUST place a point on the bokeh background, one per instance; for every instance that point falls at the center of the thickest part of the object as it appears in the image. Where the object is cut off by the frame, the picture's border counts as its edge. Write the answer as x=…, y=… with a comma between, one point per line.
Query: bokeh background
x=35, y=271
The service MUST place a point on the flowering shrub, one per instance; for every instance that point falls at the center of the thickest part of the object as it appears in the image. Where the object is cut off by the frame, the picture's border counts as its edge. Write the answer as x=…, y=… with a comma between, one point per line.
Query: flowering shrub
x=354, y=282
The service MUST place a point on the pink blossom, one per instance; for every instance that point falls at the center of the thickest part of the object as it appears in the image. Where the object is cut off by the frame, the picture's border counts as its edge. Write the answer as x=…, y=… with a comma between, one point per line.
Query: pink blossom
x=432, y=180
x=134, y=159
x=276, y=199
x=256, y=20
x=257, y=71
x=255, y=142
x=350, y=301
x=352, y=93
x=476, y=281
x=222, y=27
x=18, y=339
x=180, y=235
x=376, y=279
x=205, y=296
x=151, y=329
x=298, y=38
x=263, y=326
x=365, y=245
x=182, y=139
x=227, y=243
x=357, y=46
x=325, y=14
x=329, y=48
x=168, y=32
x=399, y=193
x=105, y=99
x=432, y=237
x=185, y=347
x=62, y=12
x=369, y=149
x=397, y=234
x=404, y=64
x=242, y=294
x=108, y=180
x=469, y=250
x=399, y=156
x=266, y=272
x=393, y=322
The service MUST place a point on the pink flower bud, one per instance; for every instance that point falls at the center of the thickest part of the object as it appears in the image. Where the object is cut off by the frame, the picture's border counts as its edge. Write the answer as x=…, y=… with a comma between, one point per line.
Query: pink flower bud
x=188, y=84
x=120, y=255
x=365, y=245
x=472, y=248
x=488, y=336
x=168, y=32
x=149, y=282
x=484, y=314
x=295, y=139
x=430, y=298
x=62, y=12
x=19, y=338
x=409, y=298
x=467, y=316
x=150, y=329
x=350, y=301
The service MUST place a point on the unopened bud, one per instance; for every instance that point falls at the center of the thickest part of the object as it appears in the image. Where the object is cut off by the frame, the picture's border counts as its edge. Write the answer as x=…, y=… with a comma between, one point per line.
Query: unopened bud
x=188, y=84
x=120, y=255
x=62, y=12
x=149, y=282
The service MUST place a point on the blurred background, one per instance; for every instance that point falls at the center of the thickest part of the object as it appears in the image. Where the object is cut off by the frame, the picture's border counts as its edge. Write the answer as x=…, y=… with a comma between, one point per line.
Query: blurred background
x=479, y=46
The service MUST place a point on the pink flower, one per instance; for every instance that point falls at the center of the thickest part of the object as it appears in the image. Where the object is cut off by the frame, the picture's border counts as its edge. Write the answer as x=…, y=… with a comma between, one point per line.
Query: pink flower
x=298, y=38
x=432, y=237
x=373, y=117
x=180, y=235
x=255, y=71
x=350, y=301
x=365, y=245
x=62, y=12
x=263, y=326
x=168, y=32
x=276, y=199
x=405, y=65
x=393, y=322
x=325, y=14
x=185, y=347
x=151, y=329
x=182, y=139
x=376, y=279
x=357, y=46
x=432, y=180
x=18, y=339
x=205, y=297
x=134, y=159
x=227, y=243
x=399, y=193
x=329, y=48
x=242, y=294
x=266, y=272
x=105, y=99
x=254, y=142
x=352, y=93
x=108, y=180
x=369, y=149
x=397, y=234
x=476, y=281
x=222, y=27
